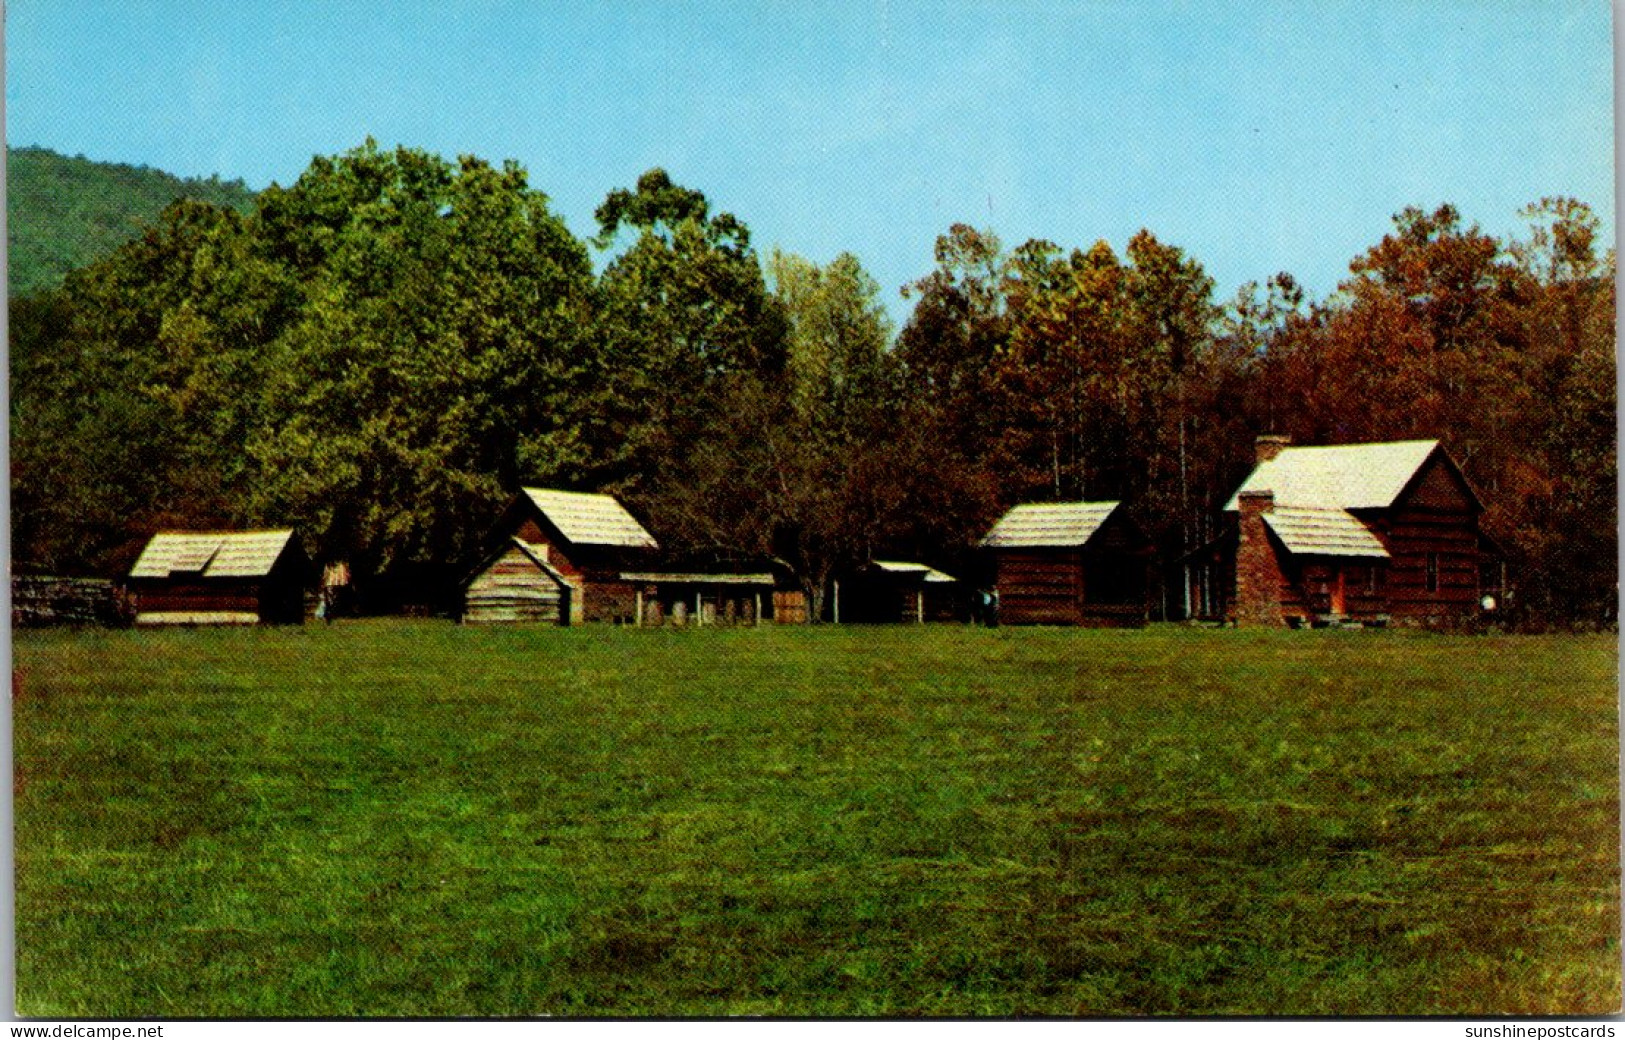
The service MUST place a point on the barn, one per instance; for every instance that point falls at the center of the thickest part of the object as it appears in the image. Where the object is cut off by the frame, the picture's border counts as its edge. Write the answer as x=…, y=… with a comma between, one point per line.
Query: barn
x=1069, y=563
x=220, y=578
x=560, y=557
x=892, y=591
x=1350, y=534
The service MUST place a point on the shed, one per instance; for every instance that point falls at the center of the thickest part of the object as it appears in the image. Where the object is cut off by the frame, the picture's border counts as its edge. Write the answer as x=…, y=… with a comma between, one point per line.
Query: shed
x=220, y=578
x=1351, y=533
x=701, y=597
x=1069, y=563
x=558, y=557
x=891, y=591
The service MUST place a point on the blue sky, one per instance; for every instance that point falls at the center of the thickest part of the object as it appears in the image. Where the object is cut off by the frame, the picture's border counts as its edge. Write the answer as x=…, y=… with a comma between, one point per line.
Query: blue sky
x=1259, y=137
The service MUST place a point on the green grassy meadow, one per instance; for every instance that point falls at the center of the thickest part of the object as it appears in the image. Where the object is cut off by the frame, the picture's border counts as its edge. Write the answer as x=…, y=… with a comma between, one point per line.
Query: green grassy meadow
x=416, y=819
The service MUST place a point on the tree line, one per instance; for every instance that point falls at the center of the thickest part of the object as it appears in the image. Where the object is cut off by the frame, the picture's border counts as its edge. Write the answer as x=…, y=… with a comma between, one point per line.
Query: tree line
x=380, y=353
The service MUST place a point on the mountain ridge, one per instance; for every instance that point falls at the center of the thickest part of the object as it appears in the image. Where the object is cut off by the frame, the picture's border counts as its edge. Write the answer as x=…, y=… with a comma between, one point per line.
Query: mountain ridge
x=64, y=212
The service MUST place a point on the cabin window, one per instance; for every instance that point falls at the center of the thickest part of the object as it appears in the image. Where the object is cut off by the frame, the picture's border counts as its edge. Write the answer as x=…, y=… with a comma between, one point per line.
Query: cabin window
x=1432, y=583
x=1373, y=578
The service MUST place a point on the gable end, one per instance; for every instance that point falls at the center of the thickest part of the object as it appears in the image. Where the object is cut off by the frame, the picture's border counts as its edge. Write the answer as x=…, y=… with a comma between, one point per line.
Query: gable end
x=1439, y=484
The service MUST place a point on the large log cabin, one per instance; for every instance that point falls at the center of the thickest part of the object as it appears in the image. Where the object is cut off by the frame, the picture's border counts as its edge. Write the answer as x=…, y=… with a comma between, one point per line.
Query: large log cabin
x=1069, y=563
x=559, y=557
x=1349, y=534
x=220, y=578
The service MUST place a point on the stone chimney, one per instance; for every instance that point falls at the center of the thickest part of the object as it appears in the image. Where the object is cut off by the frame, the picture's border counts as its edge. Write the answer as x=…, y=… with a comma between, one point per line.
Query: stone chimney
x=1269, y=445
x=1258, y=572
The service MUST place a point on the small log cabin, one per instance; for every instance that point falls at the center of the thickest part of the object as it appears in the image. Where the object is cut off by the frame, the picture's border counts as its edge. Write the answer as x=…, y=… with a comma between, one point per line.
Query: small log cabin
x=892, y=591
x=220, y=578
x=1069, y=563
x=1366, y=534
x=559, y=557
x=517, y=583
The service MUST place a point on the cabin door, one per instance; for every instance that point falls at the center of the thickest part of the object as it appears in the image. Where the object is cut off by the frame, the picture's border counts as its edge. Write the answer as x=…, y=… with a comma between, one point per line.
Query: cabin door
x=1338, y=594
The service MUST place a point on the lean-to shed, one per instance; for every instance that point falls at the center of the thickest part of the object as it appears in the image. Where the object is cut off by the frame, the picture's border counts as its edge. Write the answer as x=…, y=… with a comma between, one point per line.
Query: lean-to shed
x=701, y=597
x=890, y=591
x=220, y=578
x=1069, y=563
x=559, y=557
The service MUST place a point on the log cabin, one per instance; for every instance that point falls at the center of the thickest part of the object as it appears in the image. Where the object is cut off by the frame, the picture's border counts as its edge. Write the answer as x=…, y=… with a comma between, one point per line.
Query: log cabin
x=220, y=578
x=1069, y=563
x=1362, y=534
x=559, y=557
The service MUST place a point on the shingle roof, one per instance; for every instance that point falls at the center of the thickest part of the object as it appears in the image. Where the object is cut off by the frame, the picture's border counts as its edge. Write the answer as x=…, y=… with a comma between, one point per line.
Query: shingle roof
x=588, y=519
x=1342, y=476
x=1049, y=524
x=215, y=554
x=1324, y=532
x=930, y=574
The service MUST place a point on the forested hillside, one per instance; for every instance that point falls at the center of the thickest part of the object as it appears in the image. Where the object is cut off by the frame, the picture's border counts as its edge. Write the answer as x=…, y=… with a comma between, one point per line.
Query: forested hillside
x=381, y=352
x=64, y=212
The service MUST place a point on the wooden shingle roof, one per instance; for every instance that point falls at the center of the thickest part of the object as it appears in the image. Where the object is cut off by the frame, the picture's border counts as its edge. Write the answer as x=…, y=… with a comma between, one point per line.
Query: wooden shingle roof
x=1049, y=525
x=213, y=554
x=1324, y=532
x=589, y=519
x=1340, y=476
x=919, y=570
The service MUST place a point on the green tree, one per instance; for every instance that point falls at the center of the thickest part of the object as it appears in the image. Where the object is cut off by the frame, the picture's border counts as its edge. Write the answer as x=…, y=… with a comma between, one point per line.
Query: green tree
x=130, y=402
x=691, y=342
x=954, y=424
x=1563, y=531
x=959, y=326
x=834, y=496
x=437, y=361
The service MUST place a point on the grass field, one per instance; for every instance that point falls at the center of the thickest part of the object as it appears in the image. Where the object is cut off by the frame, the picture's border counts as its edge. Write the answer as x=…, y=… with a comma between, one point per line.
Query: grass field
x=415, y=819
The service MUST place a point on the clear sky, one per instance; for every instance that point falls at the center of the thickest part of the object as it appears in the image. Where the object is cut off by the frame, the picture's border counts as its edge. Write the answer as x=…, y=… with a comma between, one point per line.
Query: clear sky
x=1258, y=136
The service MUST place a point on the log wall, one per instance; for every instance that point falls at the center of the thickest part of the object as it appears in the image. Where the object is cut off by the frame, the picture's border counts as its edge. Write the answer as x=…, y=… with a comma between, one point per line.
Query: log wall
x=195, y=598
x=1039, y=586
x=514, y=589
x=1451, y=539
x=38, y=600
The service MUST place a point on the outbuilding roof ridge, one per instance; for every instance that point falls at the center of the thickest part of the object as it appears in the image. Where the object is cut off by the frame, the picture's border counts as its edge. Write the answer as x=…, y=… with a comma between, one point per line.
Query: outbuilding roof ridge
x=590, y=518
x=1049, y=524
x=212, y=554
